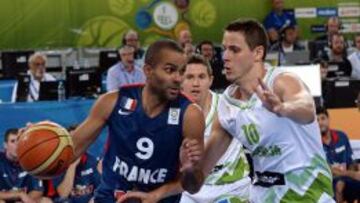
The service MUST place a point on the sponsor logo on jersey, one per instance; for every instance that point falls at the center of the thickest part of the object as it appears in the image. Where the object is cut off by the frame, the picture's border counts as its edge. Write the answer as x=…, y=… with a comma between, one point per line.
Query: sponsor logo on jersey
x=22, y=174
x=174, y=116
x=87, y=172
x=137, y=174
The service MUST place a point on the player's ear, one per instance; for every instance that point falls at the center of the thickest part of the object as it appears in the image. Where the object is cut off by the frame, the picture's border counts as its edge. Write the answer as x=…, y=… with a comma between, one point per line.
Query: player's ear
x=259, y=52
x=147, y=70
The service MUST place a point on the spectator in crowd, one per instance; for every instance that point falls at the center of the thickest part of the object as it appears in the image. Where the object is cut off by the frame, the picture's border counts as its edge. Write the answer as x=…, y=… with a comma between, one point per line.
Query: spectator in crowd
x=184, y=37
x=323, y=76
x=131, y=38
x=339, y=156
x=80, y=180
x=125, y=72
x=207, y=50
x=16, y=185
x=189, y=50
x=277, y=20
x=332, y=26
x=354, y=58
x=337, y=54
x=288, y=41
x=37, y=72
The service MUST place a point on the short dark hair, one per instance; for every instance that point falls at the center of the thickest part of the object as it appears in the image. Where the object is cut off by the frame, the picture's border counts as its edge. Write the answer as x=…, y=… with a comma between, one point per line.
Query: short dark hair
x=205, y=42
x=198, y=59
x=322, y=110
x=10, y=131
x=152, y=55
x=254, y=33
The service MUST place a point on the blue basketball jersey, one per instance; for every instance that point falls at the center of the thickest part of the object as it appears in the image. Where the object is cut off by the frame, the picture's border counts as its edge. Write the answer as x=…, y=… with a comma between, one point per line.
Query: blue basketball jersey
x=13, y=177
x=86, y=179
x=143, y=152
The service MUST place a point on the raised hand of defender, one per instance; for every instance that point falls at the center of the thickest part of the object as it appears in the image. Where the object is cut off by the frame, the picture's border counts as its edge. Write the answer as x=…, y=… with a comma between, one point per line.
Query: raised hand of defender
x=270, y=100
x=190, y=154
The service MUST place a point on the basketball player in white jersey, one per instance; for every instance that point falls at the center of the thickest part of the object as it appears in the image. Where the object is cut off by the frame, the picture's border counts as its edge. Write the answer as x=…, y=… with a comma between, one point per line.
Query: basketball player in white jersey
x=229, y=179
x=272, y=113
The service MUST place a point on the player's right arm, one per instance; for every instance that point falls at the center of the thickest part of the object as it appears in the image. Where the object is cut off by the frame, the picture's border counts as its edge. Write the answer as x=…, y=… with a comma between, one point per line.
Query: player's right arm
x=87, y=132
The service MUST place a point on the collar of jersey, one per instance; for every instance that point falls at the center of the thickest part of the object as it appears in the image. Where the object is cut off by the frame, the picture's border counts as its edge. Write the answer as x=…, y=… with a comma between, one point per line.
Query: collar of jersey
x=243, y=105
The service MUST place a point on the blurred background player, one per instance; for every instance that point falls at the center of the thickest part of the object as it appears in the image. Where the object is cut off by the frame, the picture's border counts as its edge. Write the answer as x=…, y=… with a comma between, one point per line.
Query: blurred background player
x=80, y=180
x=229, y=178
x=16, y=185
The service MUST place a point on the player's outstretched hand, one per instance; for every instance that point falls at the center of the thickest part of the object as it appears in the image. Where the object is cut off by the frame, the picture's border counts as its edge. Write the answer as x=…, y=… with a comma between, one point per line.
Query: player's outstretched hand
x=270, y=100
x=137, y=197
x=190, y=154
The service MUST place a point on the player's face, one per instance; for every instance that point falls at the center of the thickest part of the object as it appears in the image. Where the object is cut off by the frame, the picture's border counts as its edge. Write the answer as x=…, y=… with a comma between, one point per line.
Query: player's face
x=323, y=121
x=196, y=81
x=165, y=78
x=11, y=146
x=238, y=58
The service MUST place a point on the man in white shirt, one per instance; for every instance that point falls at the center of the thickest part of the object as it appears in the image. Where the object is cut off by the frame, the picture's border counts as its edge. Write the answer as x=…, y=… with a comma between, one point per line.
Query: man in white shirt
x=37, y=72
x=354, y=59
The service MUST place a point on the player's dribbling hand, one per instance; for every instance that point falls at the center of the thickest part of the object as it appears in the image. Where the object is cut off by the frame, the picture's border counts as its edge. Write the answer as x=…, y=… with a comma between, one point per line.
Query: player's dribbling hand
x=137, y=197
x=190, y=153
x=270, y=100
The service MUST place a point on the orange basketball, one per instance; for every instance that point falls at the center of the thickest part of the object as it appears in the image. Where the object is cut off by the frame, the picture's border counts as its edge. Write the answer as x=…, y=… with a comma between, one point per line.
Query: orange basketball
x=45, y=150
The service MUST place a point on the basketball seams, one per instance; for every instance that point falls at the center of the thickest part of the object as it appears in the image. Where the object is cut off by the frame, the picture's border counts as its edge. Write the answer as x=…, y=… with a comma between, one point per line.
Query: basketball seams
x=63, y=143
x=35, y=145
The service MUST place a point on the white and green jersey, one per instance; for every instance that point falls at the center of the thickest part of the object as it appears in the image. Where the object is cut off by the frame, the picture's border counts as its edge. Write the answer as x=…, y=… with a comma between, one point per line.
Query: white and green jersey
x=229, y=179
x=288, y=157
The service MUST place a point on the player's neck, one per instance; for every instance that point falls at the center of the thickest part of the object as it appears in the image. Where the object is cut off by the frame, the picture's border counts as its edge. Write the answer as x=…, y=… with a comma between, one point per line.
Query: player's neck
x=326, y=138
x=151, y=102
x=248, y=84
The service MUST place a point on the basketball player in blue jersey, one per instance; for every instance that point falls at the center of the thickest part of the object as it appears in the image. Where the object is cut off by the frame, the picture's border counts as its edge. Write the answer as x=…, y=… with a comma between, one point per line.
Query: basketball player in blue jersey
x=16, y=185
x=150, y=125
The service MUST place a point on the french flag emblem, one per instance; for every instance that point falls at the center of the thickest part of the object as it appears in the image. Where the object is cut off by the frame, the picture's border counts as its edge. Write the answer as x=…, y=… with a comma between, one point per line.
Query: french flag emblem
x=128, y=103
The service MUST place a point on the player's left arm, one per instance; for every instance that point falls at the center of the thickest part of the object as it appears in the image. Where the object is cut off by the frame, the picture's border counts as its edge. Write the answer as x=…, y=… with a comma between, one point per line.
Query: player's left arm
x=289, y=98
x=297, y=102
x=192, y=149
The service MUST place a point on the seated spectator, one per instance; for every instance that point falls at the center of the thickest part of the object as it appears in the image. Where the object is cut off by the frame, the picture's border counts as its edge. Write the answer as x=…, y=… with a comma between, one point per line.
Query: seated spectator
x=277, y=20
x=37, y=72
x=189, y=50
x=131, y=38
x=207, y=50
x=16, y=185
x=337, y=54
x=332, y=27
x=354, y=58
x=339, y=156
x=125, y=72
x=323, y=76
x=184, y=37
x=288, y=41
x=80, y=180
